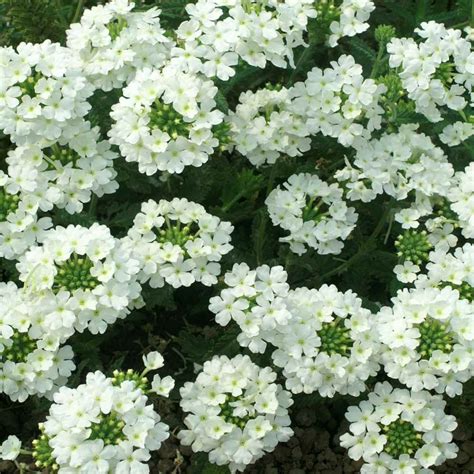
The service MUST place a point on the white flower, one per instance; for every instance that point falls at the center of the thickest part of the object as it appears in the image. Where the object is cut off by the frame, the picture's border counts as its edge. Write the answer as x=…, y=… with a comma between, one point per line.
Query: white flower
x=10, y=448
x=405, y=442
x=153, y=360
x=451, y=269
x=162, y=386
x=314, y=213
x=406, y=272
x=236, y=412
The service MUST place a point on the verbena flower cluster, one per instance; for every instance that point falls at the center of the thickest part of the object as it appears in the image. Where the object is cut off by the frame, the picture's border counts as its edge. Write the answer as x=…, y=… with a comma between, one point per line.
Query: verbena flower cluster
x=130, y=101
x=314, y=212
x=177, y=242
x=329, y=345
x=255, y=300
x=84, y=277
x=33, y=359
x=236, y=412
x=397, y=430
x=106, y=424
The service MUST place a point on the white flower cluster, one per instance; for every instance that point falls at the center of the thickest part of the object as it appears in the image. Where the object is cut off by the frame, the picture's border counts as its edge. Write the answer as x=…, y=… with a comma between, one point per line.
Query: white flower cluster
x=456, y=133
x=314, y=212
x=177, y=242
x=84, y=278
x=397, y=164
x=104, y=425
x=236, y=412
x=400, y=431
x=328, y=345
x=32, y=361
x=42, y=90
x=67, y=172
x=427, y=339
x=22, y=194
x=462, y=198
x=339, y=102
x=166, y=120
x=450, y=269
x=264, y=126
x=353, y=17
x=436, y=72
x=221, y=31
x=255, y=300
x=112, y=42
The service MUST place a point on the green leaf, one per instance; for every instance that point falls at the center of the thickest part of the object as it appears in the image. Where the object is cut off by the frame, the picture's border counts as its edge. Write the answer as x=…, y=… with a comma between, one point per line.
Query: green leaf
x=201, y=465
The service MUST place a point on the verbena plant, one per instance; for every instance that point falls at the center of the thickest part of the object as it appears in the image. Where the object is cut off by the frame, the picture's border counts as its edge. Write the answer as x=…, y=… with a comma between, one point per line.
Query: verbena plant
x=276, y=195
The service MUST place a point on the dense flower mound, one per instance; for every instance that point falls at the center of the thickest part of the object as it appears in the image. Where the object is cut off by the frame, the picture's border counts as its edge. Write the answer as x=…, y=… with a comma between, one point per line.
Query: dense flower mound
x=398, y=164
x=314, y=212
x=438, y=71
x=264, y=127
x=280, y=203
x=167, y=120
x=221, y=31
x=339, y=102
x=68, y=172
x=42, y=89
x=32, y=361
x=328, y=345
x=104, y=425
x=428, y=339
x=398, y=430
x=22, y=194
x=236, y=412
x=177, y=242
x=113, y=42
x=255, y=300
x=85, y=278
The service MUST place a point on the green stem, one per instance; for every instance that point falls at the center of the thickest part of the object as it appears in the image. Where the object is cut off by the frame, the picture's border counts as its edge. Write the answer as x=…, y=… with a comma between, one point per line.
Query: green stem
x=363, y=250
x=231, y=203
x=378, y=60
x=263, y=222
x=299, y=63
x=93, y=205
x=78, y=12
